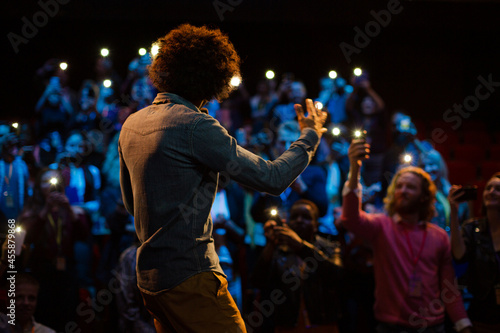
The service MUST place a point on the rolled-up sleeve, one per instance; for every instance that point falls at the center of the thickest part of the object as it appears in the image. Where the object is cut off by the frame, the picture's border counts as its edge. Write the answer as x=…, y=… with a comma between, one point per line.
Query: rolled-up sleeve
x=361, y=224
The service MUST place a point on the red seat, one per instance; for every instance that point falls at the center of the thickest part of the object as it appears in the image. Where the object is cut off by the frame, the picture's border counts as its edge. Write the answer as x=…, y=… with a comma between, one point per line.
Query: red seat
x=478, y=203
x=496, y=136
x=474, y=125
x=477, y=137
x=462, y=172
x=494, y=152
x=444, y=150
x=469, y=152
x=488, y=168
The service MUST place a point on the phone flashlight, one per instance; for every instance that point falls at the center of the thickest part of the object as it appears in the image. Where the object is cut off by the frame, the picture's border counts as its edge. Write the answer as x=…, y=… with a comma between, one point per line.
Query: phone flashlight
x=104, y=52
x=270, y=75
x=63, y=66
x=358, y=134
x=275, y=216
x=336, y=131
x=407, y=158
x=332, y=74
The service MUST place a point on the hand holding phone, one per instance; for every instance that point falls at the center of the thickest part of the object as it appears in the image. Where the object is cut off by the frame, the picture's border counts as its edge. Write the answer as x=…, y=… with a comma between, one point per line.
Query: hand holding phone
x=469, y=193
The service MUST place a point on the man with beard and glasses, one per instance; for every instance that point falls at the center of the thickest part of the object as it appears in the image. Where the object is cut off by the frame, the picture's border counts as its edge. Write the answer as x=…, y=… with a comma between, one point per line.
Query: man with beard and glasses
x=414, y=276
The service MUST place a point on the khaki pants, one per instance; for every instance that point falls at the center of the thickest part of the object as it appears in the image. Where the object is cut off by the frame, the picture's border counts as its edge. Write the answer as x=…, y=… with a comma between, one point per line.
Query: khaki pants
x=202, y=303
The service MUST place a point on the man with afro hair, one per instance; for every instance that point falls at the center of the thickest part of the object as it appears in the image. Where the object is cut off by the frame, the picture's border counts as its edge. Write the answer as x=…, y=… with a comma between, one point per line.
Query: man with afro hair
x=172, y=157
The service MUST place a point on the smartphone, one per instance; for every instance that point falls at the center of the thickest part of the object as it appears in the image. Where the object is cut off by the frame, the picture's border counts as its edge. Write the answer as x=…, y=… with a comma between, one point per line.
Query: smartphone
x=469, y=193
x=275, y=216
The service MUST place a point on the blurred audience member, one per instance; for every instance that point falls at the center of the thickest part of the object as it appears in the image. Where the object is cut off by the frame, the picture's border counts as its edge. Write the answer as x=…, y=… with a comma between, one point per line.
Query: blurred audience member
x=291, y=92
x=478, y=243
x=434, y=165
x=87, y=118
x=82, y=181
x=366, y=111
x=333, y=96
x=53, y=227
x=13, y=177
x=134, y=317
x=27, y=290
x=54, y=110
x=262, y=103
x=305, y=269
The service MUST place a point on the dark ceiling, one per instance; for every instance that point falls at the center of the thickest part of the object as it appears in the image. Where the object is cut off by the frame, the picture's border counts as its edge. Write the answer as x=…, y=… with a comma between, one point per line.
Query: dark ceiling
x=427, y=58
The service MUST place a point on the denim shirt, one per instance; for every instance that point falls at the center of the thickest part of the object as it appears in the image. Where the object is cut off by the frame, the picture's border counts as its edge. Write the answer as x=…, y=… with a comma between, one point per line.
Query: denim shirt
x=172, y=156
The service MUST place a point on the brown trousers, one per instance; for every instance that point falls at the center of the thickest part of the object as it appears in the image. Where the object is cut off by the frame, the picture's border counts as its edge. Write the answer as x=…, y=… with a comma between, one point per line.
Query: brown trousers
x=202, y=303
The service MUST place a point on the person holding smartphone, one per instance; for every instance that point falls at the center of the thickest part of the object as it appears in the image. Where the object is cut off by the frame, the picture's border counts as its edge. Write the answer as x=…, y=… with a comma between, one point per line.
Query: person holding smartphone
x=411, y=257
x=478, y=243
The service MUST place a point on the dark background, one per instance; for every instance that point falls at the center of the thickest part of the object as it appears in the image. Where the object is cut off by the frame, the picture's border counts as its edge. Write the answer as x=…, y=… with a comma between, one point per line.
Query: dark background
x=427, y=59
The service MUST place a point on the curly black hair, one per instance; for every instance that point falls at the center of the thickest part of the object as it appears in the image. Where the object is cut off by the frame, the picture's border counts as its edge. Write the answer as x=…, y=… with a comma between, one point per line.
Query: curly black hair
x=196, y=63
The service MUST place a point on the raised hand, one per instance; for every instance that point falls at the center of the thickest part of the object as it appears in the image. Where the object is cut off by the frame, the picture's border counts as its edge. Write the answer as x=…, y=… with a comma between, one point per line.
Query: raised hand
x=315, y=118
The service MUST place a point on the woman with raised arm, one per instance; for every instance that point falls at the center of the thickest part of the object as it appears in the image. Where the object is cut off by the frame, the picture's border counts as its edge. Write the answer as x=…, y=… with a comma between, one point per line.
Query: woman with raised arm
x=478, y=243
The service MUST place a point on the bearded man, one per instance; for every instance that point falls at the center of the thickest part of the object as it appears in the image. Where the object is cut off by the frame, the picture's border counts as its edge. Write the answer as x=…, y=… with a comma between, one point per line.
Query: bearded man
x=414, y=277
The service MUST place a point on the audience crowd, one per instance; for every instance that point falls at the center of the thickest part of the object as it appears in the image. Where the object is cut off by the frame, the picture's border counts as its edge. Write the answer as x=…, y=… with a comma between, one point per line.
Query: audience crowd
x=59, y=179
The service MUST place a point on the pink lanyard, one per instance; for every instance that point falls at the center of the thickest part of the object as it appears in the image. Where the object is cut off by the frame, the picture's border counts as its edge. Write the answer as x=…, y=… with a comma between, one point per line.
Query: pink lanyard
x=417, y=258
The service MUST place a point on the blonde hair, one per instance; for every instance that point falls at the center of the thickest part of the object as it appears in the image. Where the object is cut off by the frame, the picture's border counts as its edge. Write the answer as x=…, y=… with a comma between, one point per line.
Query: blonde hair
x=427, y=210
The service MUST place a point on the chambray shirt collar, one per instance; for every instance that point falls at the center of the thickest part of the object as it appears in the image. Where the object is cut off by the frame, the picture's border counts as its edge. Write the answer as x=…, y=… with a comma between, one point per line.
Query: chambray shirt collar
x=162, y=98
x=398, y=219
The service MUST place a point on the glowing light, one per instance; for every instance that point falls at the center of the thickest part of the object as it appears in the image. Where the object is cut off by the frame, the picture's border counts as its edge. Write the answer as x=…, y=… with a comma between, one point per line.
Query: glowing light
x=15, y=125
x=104, y=52
x=319, y=105
x=235, y=81
x=274, y=212
x=336, y=131
x=53, y=181
x=332, y=74
x=358, y=71
x=358, y=133
x=142, y=51
x=270, y=74
x=154, y=49
x=407, y=158
x=107, y=83
x=63, y=66
x=18, y=229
